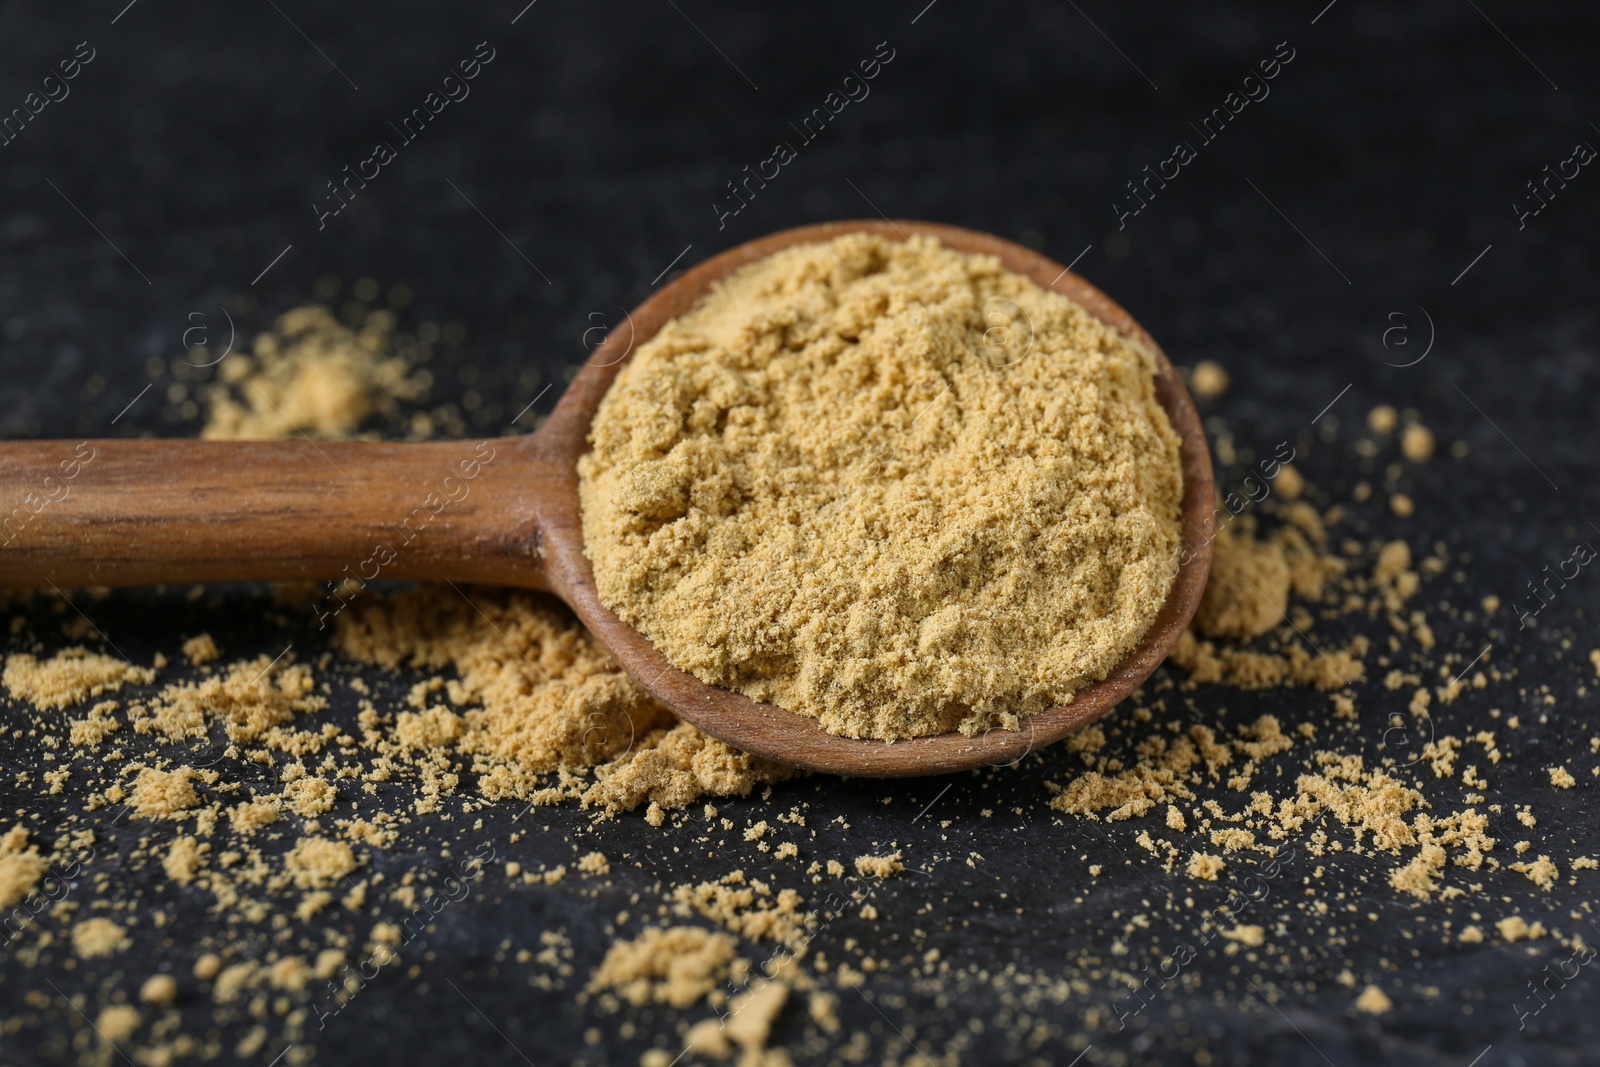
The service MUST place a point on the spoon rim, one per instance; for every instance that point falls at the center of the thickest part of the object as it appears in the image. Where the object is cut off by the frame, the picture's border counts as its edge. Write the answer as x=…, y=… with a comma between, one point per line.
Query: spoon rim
x=797, y=740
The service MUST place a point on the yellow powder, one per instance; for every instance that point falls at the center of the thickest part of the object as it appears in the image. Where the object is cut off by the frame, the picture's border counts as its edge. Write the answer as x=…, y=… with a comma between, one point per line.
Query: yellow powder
x=1383, y=419
x=250, y=698
x=1515, y=928
x=678, y=965
x=849, y=484
x=1247, y=594
x=1209, y=380
x=20, y=866
x=164, y=794
x=1562, y=778
x=880, y=866
x=1542, y=872
x=542, y=698
x=1254, y=936
x=68, y=677
x=97, y=937
x=749, y=908
x=201, y=649
x=1204, y=867
x=317, y=862
x=1416, y=443
x=594, y=863
x=185, y=856
x=1374, y=1001
x=159, y=989
x=117, y=1022
x=311, y=375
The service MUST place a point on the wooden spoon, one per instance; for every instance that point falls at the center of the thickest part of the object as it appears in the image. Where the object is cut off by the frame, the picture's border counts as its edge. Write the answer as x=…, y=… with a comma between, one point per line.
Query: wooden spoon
x=505, y=512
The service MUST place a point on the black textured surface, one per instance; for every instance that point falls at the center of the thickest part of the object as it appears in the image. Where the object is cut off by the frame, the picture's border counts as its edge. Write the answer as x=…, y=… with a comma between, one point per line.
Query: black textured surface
x=598, y=141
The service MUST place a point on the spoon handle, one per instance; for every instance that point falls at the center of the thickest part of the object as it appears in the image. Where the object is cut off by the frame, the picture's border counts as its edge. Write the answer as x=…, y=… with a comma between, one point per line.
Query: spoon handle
x=141, y=512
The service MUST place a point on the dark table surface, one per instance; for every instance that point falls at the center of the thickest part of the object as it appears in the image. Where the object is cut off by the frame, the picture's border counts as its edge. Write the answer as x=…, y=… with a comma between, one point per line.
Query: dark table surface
x=1374, y=187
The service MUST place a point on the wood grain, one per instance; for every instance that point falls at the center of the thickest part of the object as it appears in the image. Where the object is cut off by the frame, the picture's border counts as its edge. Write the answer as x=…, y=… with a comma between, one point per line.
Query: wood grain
x=141, y=512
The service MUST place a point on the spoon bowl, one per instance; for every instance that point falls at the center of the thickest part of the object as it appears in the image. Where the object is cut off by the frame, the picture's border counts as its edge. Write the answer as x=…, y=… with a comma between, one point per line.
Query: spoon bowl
x=505, y=511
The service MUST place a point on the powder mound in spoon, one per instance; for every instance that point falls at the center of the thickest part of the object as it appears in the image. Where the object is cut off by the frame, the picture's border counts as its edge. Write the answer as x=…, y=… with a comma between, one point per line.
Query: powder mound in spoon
x=890, y=486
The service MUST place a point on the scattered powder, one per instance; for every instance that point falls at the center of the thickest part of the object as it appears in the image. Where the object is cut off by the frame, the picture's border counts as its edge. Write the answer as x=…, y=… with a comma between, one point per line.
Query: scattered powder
x=1516, y=928
x=317, y=862
x=1254, y=936
x=678, y=965
x=249, y=698
x=594, y=863
x=1205, y=867
x=164, y=794
x=117, y=1022
x=185, y=856
x=880, y=866
x=1247, y=594
x=1374, y=1001
x=541, y=698
x=766, y=503
x=1542, y=872
x=310, y=375
x=1383, y=419
x=201, y=649
x=1562, y=778
x=1416, y=443
x=69, y=676
x=20, y=866
x=159, y=989
x=97, y=937
x=1208, y=380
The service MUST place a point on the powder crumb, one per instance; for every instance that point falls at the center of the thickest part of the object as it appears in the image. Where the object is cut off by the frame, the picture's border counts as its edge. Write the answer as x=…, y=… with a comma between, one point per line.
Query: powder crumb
x=677, y=965
x=207, y=966
x=1562, y=778
x=1254, y=936
x=1205, y=867
x=161, y=794
x=1248, y=591
x=594, y=863
x=1290, y=483
x=1515, y=928
x=1175, y=819
x=1471, y=935
x=117, y=1023
x=318, y=862
x=184, y=858
x=1402, y=506
x=1208, y=380
x=1417, y=443
x=160, y=990
x=1383, y=419
x=880, y=866
x=1374, y=1001
x=69, y=676
x=201, y=649
x=97, y=937
x=1542, y=872
x=311, y=375
x=751, y=1015
x=764, y=501
x=550, y=703
x=1420, y=876
x=20, y=867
